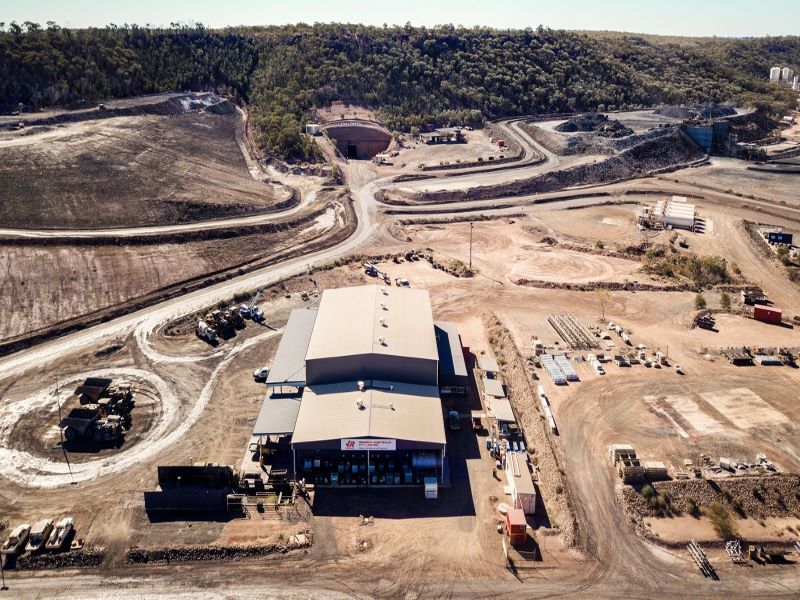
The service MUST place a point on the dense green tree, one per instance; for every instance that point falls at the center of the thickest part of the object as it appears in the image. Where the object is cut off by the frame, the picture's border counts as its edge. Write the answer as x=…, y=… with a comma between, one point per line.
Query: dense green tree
x=415, y=77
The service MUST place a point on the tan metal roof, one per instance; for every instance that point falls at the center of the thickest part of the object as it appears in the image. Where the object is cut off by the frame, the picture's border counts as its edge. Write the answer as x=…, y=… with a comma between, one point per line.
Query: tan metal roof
x=352, y=321
x=390, y=410
x=488, y=364
x=517, y=473
x=500, y=408
x=493, y=387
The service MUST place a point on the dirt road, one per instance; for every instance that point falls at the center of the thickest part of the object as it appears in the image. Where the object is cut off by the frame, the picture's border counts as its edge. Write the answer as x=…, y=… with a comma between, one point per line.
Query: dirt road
x=157, y=230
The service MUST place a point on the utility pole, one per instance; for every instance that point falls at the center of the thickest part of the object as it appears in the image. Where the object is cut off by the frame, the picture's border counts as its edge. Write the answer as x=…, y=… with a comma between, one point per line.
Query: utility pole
x=470, y=245
x=63, y=447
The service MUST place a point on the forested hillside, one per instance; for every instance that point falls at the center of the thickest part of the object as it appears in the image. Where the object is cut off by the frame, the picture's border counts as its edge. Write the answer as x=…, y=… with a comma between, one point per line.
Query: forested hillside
x=413, y=76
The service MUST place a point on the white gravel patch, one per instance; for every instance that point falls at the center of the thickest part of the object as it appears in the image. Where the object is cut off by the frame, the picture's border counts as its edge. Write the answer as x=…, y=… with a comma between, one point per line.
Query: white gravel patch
x=142, y=335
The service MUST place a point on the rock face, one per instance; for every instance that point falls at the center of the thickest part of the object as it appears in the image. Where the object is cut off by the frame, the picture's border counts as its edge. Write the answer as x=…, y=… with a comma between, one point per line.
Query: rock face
x=755, y=497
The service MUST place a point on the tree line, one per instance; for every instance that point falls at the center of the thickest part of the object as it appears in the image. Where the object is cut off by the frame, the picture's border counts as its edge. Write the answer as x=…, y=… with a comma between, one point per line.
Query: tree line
x=414, y=77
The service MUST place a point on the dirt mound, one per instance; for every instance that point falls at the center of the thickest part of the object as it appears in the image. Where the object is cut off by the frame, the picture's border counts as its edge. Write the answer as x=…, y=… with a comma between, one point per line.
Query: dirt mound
x=595, y=122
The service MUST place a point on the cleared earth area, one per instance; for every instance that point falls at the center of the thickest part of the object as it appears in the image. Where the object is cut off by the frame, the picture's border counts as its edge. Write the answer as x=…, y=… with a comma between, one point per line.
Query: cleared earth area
x=129, y=171
x=533, y=256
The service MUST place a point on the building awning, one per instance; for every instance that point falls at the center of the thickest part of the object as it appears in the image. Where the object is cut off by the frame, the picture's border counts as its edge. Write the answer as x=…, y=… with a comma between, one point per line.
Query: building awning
x=501, y=410
x=277, y=417
x=289, y=365
x=451, y=354
x=493, y=387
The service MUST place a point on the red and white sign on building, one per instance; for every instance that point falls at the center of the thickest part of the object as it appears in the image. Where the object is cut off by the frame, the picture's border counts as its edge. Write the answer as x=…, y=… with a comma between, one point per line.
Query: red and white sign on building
x=362, y=445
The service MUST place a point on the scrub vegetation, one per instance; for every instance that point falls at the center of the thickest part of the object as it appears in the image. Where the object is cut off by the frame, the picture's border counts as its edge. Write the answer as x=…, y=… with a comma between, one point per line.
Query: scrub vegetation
x=704, y=271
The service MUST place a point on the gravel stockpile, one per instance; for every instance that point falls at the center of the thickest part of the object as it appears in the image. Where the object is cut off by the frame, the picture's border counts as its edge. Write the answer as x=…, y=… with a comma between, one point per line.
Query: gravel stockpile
x=754, y=497
x=552, y=484
x=595, y=122
x=708, y=111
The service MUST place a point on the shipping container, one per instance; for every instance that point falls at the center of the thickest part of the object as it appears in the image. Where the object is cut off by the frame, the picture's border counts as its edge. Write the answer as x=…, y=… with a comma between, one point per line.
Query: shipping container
x=779, y=237
x=516, y=526
x=767, y=315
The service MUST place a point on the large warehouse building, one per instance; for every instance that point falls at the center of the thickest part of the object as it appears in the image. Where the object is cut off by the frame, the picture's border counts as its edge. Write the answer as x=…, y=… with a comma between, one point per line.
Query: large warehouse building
x=356, y=385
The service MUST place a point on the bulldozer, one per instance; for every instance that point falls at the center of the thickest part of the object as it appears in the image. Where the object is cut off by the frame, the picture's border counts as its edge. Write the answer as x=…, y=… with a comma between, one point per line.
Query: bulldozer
x=235, y=317
x=118, y=401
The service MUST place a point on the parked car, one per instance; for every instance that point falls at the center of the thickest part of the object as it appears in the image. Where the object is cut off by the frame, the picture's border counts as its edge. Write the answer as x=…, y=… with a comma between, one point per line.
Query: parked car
x=454, y=420
x=15, y=543
x=39, y=534
x=261, y=374
x=256, y=314
x=678, y=370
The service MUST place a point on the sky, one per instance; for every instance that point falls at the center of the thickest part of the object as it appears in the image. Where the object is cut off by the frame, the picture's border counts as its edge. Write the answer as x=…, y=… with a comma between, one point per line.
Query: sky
x=735, y=18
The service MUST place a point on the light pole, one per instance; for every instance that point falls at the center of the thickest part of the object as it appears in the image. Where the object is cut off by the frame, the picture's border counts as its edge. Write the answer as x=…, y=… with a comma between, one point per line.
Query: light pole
x=3, y=575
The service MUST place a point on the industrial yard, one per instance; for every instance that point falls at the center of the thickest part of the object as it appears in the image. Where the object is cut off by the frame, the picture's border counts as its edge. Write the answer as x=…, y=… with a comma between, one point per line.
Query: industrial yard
x=471, y=379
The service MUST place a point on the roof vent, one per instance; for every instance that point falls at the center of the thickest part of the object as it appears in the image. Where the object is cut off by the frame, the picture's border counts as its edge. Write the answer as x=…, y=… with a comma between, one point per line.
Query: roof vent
x=360, y=386
x=385, y=291
x=383, y=322
x=382, y=341
x=360, y=404
x=391, y=405
x=383, y=306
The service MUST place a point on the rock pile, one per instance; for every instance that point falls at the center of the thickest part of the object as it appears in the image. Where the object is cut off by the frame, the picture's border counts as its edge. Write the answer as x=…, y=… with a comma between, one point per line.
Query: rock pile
x=755, y=497
x=170, y=554
x=552, y=484
x=63, y=560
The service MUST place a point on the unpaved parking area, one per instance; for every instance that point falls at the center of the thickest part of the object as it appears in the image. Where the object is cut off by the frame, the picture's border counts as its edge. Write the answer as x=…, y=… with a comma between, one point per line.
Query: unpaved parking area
x=417, y=153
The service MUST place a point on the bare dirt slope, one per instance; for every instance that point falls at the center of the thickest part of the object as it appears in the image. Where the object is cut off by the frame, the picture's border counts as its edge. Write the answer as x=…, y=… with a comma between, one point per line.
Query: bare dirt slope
x=128, y=171
x=80, y=280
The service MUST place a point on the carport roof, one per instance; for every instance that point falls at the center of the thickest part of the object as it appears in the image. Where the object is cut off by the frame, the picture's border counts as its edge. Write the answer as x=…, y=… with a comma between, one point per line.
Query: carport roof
x=451, y=355
x=289, y=365
x=277, y=416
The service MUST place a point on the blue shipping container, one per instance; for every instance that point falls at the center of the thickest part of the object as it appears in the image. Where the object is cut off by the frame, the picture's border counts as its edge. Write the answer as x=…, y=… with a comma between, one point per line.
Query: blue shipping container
x=778, y=237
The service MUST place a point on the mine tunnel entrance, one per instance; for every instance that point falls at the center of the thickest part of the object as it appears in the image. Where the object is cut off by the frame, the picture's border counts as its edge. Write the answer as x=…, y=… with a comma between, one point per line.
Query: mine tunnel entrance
x=358, y=140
